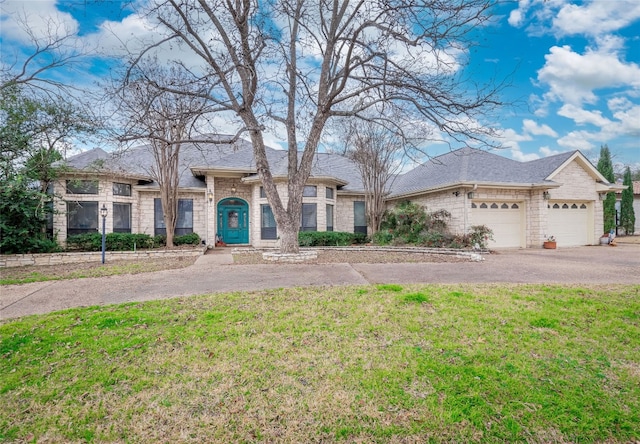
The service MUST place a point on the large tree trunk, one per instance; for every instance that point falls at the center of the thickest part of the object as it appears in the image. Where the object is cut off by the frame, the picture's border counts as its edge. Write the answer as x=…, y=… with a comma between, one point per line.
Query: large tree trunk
x=169, y=214
x=289, y=237
x=287, y=218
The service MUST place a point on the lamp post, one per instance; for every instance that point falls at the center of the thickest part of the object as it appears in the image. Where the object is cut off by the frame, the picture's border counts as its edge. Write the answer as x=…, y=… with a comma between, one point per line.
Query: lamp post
x=103, y=213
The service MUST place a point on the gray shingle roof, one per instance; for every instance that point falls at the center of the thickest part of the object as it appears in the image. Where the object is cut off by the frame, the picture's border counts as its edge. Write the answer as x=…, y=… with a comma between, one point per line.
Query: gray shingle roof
x=469, y=165
x=324, y=165
x=465, y=165
x=87, y=159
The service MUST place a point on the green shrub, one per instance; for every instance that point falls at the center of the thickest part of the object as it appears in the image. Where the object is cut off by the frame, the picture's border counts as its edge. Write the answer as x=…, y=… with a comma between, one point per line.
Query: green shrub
x=187, y=239
x=329, y=238
x=85, y=242
x=438, y=221
x=382, y=237
x=159, y=240
x=409, y=223
x=407, y=220
x=480, y=234
x=113, y=241
x=23, y=217
x=359, y=238
x=433, y=239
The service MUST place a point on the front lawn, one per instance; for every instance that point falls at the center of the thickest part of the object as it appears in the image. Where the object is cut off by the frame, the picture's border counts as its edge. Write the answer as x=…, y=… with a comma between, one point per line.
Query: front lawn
x=389, y=363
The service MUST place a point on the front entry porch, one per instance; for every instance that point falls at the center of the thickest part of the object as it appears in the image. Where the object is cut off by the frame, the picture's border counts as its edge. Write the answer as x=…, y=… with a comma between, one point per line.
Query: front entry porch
x=233, y=221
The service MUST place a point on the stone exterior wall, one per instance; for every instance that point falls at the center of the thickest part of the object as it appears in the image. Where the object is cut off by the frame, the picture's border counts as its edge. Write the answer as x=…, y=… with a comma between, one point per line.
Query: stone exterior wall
x=443, y=200
x=531, y=202
x=142, y=206
x=255, y=211
x=105, y=196
x=320, y=200
x=344, y=215
x=537, y=219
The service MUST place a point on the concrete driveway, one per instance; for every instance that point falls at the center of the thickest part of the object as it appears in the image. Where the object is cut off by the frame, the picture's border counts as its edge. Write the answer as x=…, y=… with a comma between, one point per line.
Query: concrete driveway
x=214, y=273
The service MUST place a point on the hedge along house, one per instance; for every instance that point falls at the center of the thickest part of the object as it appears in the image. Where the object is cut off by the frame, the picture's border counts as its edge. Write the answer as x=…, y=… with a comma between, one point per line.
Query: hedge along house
x=220, y=195
x=524, y=203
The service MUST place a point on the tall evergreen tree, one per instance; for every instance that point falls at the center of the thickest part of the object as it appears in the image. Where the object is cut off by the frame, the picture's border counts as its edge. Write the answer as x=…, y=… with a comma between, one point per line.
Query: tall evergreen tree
x=627, y=214
x=605, y=166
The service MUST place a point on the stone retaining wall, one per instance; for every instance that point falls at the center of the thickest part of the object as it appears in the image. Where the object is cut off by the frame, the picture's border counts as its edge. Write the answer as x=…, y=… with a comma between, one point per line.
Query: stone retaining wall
x=19, y=260
x=301, y=257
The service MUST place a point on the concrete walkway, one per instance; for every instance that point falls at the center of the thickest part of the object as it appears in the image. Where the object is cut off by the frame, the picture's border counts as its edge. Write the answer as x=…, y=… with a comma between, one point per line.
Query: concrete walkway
x=216, y=273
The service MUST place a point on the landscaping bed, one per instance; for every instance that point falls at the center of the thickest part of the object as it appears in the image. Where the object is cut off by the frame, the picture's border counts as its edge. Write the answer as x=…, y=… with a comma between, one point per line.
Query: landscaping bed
x=356, y=255
x=38, y=273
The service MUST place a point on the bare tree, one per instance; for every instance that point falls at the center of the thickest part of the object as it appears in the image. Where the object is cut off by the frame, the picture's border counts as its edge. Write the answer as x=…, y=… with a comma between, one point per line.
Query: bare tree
x=151, y=113
x=378, y=152
x=291, y=65
x=57, y=48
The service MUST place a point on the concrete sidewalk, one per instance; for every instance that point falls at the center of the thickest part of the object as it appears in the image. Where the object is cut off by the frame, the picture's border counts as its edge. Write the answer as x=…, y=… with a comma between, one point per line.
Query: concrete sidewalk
x=214, y=273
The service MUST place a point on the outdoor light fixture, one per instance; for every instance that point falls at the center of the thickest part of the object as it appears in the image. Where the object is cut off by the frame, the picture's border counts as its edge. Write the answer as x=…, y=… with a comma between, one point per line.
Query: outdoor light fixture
x=546, y=195
x=233, y=188
x=103, y=213
x=210, y=196
x=456, y=193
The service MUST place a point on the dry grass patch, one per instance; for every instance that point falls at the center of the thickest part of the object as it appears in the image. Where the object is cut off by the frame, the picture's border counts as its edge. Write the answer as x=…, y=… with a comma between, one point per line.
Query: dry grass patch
x=33, y=273
x=357, y=364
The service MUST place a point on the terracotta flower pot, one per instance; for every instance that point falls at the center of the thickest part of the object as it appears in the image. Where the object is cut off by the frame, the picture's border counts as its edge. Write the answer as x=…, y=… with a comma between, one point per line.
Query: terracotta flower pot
x=549, y=245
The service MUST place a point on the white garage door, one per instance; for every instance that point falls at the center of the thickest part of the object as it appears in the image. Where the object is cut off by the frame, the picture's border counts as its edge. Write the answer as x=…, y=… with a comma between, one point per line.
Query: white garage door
x=504, y=218
x=569, y=223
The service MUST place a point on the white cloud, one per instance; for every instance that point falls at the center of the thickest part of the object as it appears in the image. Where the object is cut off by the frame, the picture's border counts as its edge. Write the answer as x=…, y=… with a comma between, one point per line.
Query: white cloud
x=516, y=17
x=124, y=37
x=596, y=17
x=510, y=140
x=537, y=13
x=619, y=104
x=546, y=151
x=577, y=140
x=628, y=122
x=583, y=117
x=531, y=127
x=41, y=19
x=573, y=77
x=518, y=155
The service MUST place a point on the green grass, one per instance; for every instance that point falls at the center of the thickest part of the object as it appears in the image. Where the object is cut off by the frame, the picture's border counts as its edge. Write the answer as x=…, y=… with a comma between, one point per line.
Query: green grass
x=343, y=364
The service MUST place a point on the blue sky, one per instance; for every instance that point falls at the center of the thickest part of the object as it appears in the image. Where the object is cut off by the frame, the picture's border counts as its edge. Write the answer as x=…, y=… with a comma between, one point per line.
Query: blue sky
x=573, y=66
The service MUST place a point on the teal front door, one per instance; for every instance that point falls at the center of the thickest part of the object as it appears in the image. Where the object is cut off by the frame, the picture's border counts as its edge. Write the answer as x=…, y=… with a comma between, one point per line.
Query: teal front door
x=233, y=221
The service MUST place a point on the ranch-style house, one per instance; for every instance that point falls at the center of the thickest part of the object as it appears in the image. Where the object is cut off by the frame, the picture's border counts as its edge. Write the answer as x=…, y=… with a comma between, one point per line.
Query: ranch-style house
x=220, y=195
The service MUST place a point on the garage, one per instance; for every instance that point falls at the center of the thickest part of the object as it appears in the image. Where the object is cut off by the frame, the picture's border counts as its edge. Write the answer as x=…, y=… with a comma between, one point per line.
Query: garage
x=504, y=218
x=569, y=223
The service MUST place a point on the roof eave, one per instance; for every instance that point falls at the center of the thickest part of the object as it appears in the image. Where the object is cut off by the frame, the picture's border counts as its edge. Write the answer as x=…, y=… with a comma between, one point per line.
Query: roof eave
x=113, y=174
x=221, y=172
x=150, y=189
x=311, y=180
x=474, y=185
x=609, y=187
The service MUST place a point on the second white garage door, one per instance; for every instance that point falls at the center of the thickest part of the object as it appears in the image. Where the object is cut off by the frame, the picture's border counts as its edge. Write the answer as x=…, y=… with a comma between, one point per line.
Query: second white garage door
x=504, y=218
x=569, y=223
